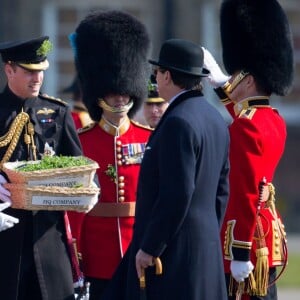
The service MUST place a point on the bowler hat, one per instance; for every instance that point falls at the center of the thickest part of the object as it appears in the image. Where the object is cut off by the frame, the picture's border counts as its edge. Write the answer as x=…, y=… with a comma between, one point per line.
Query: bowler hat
x=182, y=56
x=29, y=54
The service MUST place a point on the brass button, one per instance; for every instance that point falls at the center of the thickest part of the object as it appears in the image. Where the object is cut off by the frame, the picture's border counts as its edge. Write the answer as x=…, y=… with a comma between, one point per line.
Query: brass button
x=121, y=185
x=121, y=178
x=121, y=199
x=121, y=192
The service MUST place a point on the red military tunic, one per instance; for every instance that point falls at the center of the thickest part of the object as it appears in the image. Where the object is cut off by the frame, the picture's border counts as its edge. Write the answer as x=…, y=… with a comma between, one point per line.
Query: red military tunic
x=103, y=240
x=258, y=135
x=81, y=119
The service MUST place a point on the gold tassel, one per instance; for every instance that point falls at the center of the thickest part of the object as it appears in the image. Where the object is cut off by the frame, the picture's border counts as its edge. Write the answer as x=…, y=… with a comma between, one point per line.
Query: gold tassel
x=30, y=129
x=235, y=288
x=261, y=273
x=231, y=286
x=251, y=285
x=240, y=290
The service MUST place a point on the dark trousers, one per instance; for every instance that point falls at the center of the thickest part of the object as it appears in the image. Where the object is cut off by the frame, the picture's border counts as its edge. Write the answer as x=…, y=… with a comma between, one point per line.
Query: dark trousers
x=29, y=288
x=272, y=290
x=97, y=287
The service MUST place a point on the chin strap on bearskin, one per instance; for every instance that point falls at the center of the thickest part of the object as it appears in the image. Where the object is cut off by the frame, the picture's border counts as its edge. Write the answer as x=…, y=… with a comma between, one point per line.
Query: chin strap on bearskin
x=125, y=108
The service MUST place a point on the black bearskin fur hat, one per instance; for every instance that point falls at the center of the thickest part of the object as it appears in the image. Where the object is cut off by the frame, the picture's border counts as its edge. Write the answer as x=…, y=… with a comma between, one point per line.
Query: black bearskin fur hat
x=256, y=37
x=111, y=51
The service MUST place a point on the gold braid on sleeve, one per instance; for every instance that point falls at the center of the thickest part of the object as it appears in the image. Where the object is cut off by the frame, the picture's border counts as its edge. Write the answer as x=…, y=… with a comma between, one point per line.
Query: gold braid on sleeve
x=11, y=138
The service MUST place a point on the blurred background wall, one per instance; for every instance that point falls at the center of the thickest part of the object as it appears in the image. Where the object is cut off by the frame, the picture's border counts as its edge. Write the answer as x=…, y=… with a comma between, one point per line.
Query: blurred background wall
x=196, y=20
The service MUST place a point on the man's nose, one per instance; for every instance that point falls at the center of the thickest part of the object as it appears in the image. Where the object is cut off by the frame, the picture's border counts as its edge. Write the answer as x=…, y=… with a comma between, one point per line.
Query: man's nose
x=154, y=108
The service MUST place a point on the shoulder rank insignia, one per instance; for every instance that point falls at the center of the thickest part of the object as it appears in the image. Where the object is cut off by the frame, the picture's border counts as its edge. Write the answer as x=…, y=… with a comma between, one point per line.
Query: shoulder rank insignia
x=141, y=125
x=247, y=107
x=248, y=113
x=86, y=128
x=51, y=98
x=45, y=111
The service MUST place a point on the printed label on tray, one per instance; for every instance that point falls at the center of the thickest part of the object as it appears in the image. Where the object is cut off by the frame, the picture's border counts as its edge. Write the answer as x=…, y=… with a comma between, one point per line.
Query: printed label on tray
x=61, y=201
x=61, y=181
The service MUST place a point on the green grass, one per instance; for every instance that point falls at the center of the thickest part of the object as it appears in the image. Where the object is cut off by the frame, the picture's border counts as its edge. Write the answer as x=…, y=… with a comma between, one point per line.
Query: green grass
x=290, y=277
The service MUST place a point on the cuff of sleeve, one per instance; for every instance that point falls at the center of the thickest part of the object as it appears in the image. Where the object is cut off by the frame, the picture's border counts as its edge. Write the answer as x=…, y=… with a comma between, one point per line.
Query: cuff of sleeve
x=155, y=251
x=241, y=254
x=235, y=249
x=222, y=93
x=4, y=175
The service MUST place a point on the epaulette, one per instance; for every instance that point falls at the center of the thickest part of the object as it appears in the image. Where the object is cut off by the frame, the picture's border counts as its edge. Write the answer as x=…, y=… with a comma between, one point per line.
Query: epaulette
x=141, y=125
x=51, y=98
x=86, y=128
x=247, y=107
x=248, y=113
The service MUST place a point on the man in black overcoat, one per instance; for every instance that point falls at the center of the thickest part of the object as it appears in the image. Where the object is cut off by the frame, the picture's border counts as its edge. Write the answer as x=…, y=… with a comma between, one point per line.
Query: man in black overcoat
x=182, y=191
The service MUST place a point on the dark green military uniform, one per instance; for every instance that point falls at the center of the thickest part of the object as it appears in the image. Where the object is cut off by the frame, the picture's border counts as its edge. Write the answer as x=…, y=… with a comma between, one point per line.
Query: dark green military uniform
x=37, y=245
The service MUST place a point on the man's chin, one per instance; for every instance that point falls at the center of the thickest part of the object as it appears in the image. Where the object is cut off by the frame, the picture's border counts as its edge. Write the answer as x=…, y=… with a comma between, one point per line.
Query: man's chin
x=153, y=124
x=35, y=93
x=32, y=95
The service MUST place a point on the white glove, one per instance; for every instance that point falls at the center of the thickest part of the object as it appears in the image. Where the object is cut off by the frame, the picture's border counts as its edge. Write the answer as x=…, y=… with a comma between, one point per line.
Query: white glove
x=4, y=193
x=6, y=221
x=240, y=269
x=216, y=77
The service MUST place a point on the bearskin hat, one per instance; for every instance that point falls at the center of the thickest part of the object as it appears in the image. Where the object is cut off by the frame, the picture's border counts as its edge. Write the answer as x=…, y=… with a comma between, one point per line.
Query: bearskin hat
x=111, y=50
x=256, y=38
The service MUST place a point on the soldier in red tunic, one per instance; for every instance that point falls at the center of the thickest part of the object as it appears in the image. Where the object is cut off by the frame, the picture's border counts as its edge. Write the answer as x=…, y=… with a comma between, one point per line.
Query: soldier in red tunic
x=111, y=51
x=257, y=53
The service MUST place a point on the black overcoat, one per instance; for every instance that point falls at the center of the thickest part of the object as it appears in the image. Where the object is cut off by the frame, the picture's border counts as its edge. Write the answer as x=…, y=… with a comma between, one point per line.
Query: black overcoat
x=181, y=199
x=39, y=240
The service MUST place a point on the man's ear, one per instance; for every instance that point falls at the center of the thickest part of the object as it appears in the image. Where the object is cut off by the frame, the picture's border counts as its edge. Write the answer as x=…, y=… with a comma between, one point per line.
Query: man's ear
x=250, y=80
x=252, y=85
x=8, y=70
x=167, y=76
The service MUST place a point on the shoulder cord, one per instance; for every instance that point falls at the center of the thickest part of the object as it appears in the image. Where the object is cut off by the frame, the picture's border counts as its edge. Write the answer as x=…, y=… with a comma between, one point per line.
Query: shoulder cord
x=13, y=135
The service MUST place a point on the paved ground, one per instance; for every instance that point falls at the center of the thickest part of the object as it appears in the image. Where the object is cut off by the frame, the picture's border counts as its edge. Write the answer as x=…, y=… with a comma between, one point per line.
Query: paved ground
x=289, y=294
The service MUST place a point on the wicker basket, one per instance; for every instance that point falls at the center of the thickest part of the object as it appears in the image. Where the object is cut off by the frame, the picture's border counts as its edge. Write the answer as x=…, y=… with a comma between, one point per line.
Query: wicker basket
x=63, y=177
x=27, y=197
